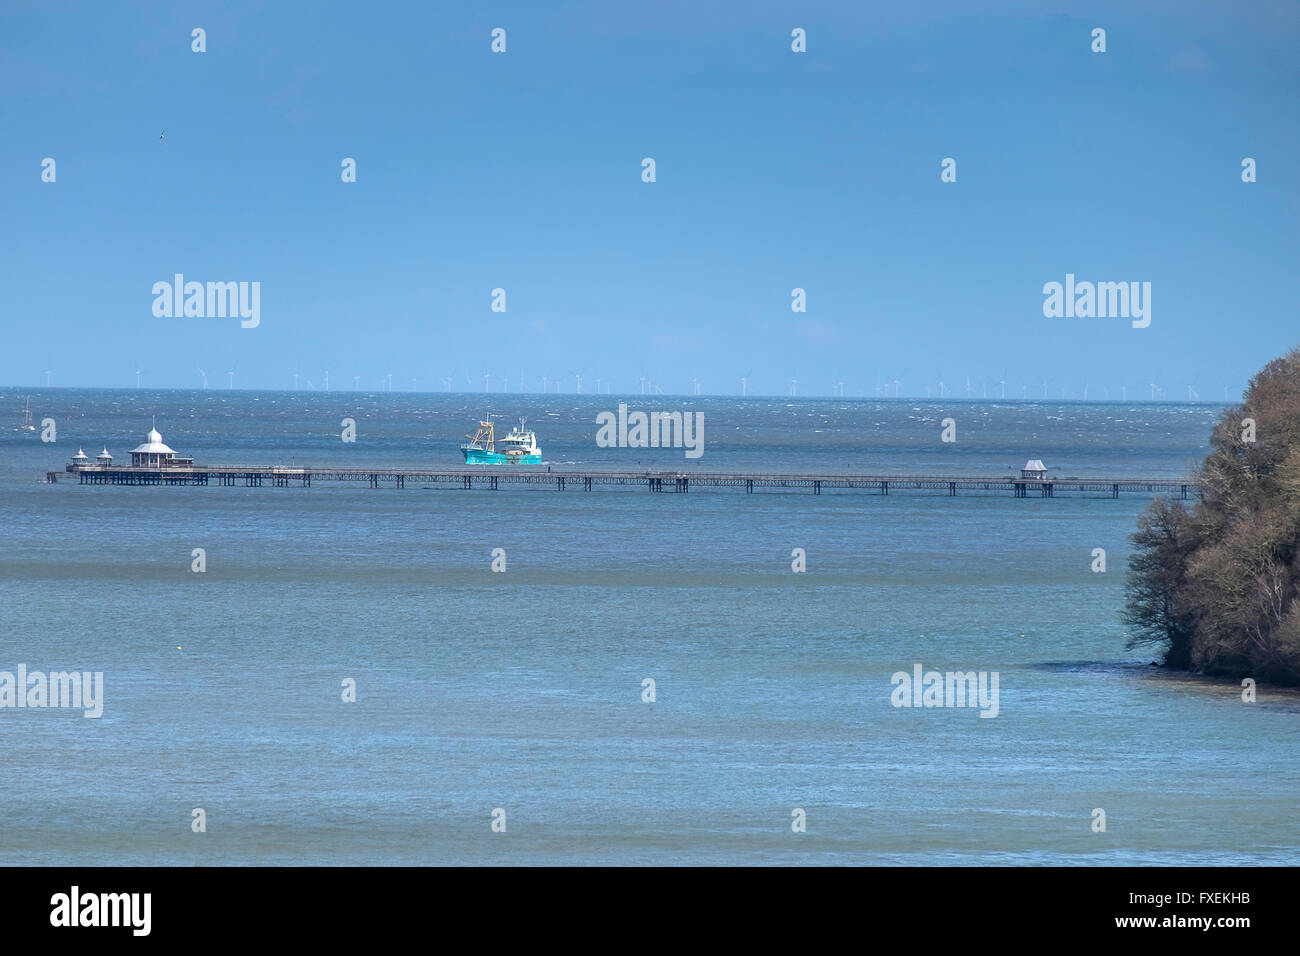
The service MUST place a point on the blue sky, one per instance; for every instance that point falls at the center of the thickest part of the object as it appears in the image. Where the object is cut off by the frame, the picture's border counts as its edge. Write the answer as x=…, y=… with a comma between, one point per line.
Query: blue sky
x=775, y=170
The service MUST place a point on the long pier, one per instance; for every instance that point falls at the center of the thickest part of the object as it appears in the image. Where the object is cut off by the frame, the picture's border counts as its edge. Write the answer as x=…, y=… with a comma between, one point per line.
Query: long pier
x=653, y=481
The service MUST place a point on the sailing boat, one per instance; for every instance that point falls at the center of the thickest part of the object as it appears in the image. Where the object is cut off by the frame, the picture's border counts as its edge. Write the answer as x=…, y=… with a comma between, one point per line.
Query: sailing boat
x=27, y=425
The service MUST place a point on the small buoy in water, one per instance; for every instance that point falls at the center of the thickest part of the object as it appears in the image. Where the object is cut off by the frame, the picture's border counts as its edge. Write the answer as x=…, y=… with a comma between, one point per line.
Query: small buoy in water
x=178, y=647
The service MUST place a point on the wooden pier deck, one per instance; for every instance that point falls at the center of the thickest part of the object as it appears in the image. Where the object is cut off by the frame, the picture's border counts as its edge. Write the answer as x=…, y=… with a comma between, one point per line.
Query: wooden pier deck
x=655, y=481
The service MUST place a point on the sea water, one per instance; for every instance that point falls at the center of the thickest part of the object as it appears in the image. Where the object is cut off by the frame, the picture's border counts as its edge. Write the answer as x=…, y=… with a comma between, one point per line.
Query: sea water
x=523, y=692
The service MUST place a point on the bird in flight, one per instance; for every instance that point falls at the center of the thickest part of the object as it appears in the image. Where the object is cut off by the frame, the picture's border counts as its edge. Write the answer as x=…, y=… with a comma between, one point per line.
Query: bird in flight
x=162, y=134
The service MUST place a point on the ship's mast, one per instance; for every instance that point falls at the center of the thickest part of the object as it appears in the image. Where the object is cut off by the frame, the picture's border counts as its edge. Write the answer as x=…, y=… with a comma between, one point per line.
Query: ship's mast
x=484, y=435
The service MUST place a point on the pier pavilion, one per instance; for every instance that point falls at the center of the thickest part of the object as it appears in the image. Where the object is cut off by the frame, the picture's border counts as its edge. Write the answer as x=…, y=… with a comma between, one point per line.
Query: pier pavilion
x=154, y=454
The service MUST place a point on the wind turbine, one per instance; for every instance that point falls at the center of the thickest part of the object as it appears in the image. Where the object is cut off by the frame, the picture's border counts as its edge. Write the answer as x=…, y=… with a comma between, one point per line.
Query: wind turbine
x=356, y=383
x=794, y=382
x=412, y=383
x=597, y=384
x=487, y=379
x=642, y=384
x=47, y=378
x=205, y=378
x=230, y=375
x=137, y=376
x=545, y=386
x=1003, y=383
x=941, y=388
x=446, y=380
x=390, y=381
x=896, y=383
x=744, y=385
x=578, y=377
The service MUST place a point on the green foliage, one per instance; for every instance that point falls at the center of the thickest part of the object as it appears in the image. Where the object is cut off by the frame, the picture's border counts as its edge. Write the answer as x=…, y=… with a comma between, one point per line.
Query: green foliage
x=1219, y=587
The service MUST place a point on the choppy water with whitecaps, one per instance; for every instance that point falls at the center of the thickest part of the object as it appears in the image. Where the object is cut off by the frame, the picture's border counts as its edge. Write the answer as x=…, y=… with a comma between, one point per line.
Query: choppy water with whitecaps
x=523, y=690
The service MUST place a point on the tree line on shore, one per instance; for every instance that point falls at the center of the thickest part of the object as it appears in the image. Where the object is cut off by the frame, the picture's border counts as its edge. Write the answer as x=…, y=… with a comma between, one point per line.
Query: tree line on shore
x=1217, y=587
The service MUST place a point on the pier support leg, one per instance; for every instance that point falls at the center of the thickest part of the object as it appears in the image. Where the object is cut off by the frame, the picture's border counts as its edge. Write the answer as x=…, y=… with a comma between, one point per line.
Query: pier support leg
x=559, y=484
x=1184, y=492
x=749, y=486
x=1114, y=490
x=952, y=489
x=817, y=487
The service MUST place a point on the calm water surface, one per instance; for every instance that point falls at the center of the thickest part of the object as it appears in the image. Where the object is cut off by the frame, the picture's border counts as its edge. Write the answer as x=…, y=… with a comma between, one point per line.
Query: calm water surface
x=523, y=690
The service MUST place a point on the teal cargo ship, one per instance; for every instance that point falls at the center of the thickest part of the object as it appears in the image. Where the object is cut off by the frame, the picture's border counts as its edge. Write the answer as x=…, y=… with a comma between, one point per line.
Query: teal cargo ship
x=518, y=447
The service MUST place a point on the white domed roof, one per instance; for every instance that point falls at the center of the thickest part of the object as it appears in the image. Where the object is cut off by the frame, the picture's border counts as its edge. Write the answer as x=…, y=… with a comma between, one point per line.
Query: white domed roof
x=153, y=445
x=80, y=454
x=105, y=454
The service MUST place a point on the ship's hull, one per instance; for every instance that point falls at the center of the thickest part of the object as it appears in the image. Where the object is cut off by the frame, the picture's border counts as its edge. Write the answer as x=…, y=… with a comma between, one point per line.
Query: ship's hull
x=477, y=456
